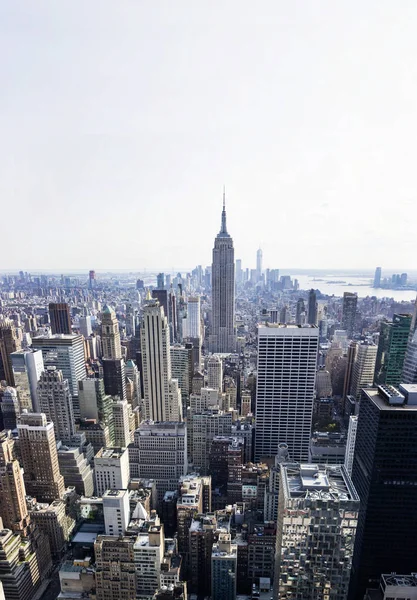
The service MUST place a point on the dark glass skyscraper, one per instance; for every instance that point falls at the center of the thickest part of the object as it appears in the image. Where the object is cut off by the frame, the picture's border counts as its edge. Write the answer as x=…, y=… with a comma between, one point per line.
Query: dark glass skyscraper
x=392, y=346
x=385, y=477
x=60, y=318
x=312, y=307
x=223, y=334
x=350, y=302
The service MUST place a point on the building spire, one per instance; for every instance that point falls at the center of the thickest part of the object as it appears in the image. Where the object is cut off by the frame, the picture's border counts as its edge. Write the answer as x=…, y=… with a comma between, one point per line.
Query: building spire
x=223, y=229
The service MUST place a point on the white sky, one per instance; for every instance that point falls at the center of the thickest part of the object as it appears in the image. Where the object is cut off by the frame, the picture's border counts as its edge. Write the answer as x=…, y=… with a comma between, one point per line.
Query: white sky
x=121, y=120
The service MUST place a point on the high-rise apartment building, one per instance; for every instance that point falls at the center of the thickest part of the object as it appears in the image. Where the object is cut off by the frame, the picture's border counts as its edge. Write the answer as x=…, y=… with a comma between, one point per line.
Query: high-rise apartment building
x=55, y=402
x=318, y=509
x=161, y=393
x=27, y=368
x=312, y=308
x=350, y=302
x=287, y=362
x=110, y=335
x=363, y=368
x=392, y=347
x=40, y=458
x=59, y=314
x=9, y=343
x=159, y=452
x=223, y=331
x=385, y=476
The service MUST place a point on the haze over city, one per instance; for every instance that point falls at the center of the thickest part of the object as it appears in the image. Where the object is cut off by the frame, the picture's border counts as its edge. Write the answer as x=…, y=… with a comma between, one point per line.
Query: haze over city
x=122, y=121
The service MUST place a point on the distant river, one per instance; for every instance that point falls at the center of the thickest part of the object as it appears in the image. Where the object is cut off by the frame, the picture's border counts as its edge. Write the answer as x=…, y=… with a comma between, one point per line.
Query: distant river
x=330, y=284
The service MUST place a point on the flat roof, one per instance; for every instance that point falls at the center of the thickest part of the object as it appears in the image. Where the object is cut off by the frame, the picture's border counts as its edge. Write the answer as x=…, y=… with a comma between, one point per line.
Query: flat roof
x=382, y=403
x=317, y=481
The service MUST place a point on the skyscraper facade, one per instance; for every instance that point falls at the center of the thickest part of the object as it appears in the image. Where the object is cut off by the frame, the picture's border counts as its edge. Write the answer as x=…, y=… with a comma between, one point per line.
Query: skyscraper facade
x=65, y=352
x=55, y=401
x=259, y=264
x=312, y=308
x=110, y=335
x=350, y=302
x=162, y=400
x=317, y=514
x=377, y=277
x=287, y=362
x=9, y=342
x=410, y=362
x=40, y=457
x=223, y=332
x=392, y=347
x=385, y=477
x=59, y=314
x=363, y=368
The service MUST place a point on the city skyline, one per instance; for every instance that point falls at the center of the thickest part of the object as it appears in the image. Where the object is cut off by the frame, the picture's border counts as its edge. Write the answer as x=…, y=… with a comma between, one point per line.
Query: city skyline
x=144, y=149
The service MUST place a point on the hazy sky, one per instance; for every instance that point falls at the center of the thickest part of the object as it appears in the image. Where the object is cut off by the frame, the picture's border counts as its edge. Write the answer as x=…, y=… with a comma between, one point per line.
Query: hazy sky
x=121, y=121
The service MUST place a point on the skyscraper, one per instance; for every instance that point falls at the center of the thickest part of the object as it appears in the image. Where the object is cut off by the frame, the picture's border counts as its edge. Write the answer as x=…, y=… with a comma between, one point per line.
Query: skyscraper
x=363, y=368
x=161, y=395
x=60, y=317
x=159, y=452
x=410, y=362
x=312, y=307
x=392, y=347
x=317, y=514
x=27, y=368
x=193, y=327
x=300, y=312
x=259, y=264
x=110, y=335
x=350, y=302
x=55, y=401
x=223, y=332
x=287, y=362
x=40, y=457
x=215, y=373
x=9, y=342
x=12, y=488
x=385, y=477
x=65, y=352
x=224, y=568
x=377, y=277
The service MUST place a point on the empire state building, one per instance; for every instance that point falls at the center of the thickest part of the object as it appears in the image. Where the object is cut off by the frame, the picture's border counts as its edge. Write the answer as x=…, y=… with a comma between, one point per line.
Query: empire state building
x=223, y=333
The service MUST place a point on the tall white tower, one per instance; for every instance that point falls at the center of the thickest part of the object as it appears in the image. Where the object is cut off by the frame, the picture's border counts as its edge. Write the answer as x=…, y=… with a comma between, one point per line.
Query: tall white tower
x=259, y=264
x=223, y=333
x=161, y=392
x=287, y=362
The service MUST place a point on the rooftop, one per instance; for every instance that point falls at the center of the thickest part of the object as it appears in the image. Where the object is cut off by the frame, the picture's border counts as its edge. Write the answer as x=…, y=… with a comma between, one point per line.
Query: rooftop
x=317, y=482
